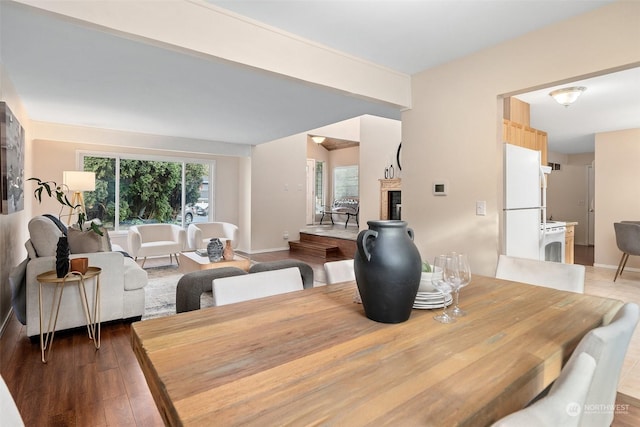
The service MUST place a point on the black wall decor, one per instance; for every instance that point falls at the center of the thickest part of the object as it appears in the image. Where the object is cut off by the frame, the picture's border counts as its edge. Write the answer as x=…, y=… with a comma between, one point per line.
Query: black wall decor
x=11, y=161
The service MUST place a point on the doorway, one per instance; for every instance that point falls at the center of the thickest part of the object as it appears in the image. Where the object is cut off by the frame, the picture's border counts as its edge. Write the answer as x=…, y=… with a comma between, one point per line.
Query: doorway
x=315, y=189
x=591, y=205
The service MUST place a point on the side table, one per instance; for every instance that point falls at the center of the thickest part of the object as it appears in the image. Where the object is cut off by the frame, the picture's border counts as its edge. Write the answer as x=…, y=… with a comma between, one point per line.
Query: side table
x=93, y=319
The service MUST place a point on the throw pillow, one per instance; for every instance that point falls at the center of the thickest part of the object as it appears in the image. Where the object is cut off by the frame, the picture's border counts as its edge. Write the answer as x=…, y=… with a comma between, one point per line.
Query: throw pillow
x=106, y=240
x=44, y=235
x=84, y=242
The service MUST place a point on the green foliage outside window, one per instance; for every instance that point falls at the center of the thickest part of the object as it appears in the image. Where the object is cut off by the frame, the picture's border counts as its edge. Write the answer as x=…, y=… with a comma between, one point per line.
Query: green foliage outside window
x=150, y=191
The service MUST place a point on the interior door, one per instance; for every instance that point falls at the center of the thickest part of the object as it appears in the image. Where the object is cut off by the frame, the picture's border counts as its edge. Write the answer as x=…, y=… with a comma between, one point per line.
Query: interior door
x=591, y=206
x=311, y=193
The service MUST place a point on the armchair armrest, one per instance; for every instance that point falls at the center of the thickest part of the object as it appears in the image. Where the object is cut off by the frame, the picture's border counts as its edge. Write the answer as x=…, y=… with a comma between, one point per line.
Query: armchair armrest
x=179, y=235
x=194, y=236
x=134, y=240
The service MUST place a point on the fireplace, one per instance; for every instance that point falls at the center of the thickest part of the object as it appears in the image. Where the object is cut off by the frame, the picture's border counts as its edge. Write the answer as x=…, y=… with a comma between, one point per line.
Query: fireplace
x=395, y=200
x=390, y=198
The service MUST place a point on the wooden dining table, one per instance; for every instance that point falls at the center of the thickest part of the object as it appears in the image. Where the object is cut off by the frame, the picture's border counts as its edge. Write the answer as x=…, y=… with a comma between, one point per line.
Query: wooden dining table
x=312, y=357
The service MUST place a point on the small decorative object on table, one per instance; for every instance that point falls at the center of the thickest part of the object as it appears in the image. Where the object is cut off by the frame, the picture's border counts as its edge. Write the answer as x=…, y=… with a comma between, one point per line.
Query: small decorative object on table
x=228, y=251
x=81, y=265
x=215, y=249
x=62, y=257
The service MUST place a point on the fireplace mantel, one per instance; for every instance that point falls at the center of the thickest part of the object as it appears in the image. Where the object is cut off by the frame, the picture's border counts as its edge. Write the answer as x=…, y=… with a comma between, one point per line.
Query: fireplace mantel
x=387, y=186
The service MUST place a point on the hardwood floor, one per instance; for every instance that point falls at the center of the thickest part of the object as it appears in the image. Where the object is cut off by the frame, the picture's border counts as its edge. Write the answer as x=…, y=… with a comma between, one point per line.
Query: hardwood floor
x=80, y=386
x=583, y=255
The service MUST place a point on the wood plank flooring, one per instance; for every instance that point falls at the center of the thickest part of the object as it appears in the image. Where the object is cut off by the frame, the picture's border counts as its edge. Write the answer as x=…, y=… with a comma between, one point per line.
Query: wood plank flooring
x=80, y=386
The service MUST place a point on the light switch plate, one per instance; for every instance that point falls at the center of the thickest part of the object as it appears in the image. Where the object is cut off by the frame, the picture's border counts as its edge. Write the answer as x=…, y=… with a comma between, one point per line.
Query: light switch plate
x=481, y=208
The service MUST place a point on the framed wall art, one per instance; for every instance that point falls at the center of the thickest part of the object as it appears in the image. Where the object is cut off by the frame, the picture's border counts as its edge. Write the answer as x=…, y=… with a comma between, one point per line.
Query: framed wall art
x=11, y=161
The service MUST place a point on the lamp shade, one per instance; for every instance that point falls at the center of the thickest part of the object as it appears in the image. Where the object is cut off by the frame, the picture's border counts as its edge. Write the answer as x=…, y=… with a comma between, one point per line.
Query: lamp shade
x=79, y=181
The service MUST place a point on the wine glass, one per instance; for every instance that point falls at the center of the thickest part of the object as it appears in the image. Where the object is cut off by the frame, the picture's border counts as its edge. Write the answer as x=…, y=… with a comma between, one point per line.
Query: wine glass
x=442, y=283
x=462, y=279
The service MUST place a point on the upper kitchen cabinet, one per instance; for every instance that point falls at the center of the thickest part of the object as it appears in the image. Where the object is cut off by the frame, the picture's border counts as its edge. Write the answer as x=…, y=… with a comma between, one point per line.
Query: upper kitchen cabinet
x=516, y=129
x=517, y=111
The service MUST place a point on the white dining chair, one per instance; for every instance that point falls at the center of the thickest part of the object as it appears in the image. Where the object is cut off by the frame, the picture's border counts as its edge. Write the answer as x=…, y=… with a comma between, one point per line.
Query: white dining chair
x=339, y=271
x=595, y=399
x=565, y=277
x=8, y=410
x=229, y=290
x=342, y=271
x=563, y=405
x=608, y=346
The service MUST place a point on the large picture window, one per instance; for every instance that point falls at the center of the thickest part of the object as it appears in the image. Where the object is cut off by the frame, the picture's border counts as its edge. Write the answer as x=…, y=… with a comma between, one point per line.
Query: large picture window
x=132, y=191
x=345, y=182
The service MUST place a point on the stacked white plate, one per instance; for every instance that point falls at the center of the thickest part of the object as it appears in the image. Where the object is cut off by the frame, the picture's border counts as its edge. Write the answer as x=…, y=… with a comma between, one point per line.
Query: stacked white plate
x=429, y=297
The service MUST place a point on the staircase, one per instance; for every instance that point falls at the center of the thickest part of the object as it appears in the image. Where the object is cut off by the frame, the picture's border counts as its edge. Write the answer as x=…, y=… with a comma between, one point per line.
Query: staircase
x=322, y=246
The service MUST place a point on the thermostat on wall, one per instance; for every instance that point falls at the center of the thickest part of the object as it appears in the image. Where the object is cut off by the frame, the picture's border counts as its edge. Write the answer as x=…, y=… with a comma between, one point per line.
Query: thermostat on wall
x=440, y=188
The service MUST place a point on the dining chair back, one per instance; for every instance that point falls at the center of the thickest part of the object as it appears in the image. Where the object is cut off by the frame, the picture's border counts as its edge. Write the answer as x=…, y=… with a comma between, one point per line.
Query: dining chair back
x=628, y=241
x=8, y=409
x=566, y=277
x=234, y=289
x=306, y=272
x=563, y=405
x=608, y=346
x=339, y=271
x=585, y=392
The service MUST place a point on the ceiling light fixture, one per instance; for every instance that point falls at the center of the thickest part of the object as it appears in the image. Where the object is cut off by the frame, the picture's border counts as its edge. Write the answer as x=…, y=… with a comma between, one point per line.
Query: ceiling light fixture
x=318, y=139
x=568, y=95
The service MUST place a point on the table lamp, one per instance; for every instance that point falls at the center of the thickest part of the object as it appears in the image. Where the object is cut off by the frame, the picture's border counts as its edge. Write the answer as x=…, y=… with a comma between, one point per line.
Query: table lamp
x=78, y=181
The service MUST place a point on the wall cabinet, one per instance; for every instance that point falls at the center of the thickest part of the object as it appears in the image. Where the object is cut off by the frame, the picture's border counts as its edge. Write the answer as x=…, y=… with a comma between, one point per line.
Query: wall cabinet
x=525, y=136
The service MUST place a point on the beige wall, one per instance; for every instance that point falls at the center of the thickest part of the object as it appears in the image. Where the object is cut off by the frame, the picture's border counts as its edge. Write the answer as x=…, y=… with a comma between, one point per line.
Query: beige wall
x=567, y=194
x=378, y=144
x=617, y=191
x=453, y=131
x=278, y=192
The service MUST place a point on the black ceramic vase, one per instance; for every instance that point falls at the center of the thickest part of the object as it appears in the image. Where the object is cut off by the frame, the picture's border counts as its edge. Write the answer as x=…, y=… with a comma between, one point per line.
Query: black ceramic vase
x=62, y=257
x=215, y=249
x=387, y=267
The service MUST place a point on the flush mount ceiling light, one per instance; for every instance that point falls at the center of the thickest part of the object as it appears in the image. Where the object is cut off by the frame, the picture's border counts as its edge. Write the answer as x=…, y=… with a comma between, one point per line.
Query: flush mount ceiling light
x=318, y=139
x=568, y=95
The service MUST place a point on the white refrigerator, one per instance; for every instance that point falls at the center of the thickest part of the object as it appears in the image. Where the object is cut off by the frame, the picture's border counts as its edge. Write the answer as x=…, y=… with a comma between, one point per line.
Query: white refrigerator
x=524, y=202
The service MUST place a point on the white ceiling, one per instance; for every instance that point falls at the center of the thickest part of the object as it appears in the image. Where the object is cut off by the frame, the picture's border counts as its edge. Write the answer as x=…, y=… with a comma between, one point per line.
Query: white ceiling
x=69, y=73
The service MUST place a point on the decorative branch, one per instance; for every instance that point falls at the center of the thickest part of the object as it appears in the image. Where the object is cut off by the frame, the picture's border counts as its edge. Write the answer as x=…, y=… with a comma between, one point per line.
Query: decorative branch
x=59, y=192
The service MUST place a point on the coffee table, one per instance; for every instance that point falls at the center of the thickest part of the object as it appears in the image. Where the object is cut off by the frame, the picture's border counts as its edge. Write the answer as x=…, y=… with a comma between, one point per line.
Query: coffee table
x=191, y=261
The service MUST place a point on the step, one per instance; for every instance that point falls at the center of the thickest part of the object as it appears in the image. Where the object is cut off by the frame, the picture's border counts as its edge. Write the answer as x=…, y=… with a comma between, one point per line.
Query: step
x=322, y=250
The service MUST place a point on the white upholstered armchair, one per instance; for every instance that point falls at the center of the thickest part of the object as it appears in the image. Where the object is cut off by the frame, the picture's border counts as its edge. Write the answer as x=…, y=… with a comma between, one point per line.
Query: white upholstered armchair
x=199, y=234
x=156, y=240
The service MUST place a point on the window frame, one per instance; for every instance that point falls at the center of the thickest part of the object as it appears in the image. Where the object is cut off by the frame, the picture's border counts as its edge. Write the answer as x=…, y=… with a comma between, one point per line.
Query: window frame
x=183, y=161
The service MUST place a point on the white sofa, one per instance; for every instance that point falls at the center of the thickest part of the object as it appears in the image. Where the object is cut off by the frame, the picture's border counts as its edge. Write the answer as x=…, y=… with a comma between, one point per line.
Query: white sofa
x=201, y=233
x=122, y=281
x=156, y=240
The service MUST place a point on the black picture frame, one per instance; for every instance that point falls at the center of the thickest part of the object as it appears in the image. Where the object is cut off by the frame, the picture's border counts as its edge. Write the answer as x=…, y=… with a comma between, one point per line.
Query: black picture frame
x=11, y=161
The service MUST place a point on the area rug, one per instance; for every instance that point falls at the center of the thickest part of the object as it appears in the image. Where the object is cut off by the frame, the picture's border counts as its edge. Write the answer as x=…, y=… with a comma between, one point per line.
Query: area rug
x=160, y=292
